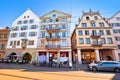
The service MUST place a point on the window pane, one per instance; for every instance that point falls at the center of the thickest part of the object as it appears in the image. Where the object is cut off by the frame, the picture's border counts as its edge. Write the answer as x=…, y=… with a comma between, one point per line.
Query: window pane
x=80, y=32
x=87, y=40
x=81, y=41
x=110, y=41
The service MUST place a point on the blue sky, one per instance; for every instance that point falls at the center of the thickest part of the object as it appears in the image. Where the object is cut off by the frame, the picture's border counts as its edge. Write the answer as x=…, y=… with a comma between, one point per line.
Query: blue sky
x=11, y=9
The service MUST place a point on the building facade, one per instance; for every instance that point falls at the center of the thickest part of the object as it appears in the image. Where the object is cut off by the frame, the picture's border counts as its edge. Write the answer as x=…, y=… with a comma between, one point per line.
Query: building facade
x=93, y=39
x=114, y=21
x=4, y=34
x=23, y=37
x=54, y=40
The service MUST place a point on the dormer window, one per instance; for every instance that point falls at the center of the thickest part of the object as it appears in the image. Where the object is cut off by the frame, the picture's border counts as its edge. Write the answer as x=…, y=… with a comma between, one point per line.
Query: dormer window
x=87, y=18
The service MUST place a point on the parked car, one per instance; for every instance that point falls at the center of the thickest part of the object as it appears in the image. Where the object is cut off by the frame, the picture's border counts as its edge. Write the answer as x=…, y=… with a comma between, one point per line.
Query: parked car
x=105, y=66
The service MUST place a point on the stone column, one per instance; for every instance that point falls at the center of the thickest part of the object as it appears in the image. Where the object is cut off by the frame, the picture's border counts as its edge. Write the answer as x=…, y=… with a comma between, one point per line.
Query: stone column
x=58, y=57
x=79, y=56
x=47, y=57
x=70, y=59
x=116, y=56
x=36, y=58
x=97, y=55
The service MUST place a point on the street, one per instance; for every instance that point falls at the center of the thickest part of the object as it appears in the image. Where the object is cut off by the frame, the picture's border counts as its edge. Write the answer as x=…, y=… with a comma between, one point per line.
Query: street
x=30, y=72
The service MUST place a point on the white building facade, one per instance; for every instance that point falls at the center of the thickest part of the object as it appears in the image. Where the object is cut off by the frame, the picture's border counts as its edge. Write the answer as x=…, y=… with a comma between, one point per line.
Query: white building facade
x=25, y=27
x=114, y=21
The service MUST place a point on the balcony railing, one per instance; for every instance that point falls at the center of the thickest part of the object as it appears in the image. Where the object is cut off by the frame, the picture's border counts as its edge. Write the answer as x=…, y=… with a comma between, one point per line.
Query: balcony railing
x=97, y=44
x=52, y=47
x=53, y=38
x=95, y=36
x=53, y=29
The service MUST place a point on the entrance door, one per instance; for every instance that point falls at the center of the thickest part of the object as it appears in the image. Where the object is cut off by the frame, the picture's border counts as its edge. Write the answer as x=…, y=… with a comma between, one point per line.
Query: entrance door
x=88, y=56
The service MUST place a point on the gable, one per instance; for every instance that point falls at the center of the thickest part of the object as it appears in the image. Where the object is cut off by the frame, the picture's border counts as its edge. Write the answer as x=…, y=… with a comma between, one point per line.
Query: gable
x=56, y=13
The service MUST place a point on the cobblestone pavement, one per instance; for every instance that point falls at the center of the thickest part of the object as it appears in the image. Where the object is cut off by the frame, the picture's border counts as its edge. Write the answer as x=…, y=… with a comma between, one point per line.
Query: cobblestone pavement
x=30, y=72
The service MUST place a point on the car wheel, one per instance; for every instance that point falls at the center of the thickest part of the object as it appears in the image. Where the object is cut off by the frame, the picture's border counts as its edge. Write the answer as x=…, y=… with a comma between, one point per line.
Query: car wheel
x=94, y=69
x=117, y=70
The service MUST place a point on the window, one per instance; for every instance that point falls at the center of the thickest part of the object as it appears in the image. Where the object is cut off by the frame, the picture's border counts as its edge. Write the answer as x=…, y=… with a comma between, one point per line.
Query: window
x=19, y=22
x=118, y=46
x=86, y=32
x=11, y=43
x=5, y=35
x=95, y=41
x=24, y=27
x=94, y=32
x=117, y=38
x=15, y=28
x=110, y=41
x=103, y=40
x=18, y=43
x=87, y=18
x=101, y=24
x=14, y=42
x=64, y=43
x=43, y=35
x=118, y=18
x=87, y=40
x=31, y=21
x=33, y=27
x=13, y=35
x=92, y=24
x=25, y=22
x=80, y=32
x=81, y=41
x=43, y=28
x=95, y=18
x=54, y=15
x=2, y=46
x=84, y=25
x=64, y=26
x=33, y=34
x=31, y=42
x=1, y=35
x=27, y=16
x=116, y=30
x=63, y=34
x=23, y=34
x=101, y=32
x=51, y=20
x=108, y=32
x=43, y=21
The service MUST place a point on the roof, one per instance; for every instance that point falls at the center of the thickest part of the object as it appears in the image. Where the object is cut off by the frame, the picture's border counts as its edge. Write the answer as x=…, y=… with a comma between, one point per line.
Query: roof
x=114, y=15
x=55, y=11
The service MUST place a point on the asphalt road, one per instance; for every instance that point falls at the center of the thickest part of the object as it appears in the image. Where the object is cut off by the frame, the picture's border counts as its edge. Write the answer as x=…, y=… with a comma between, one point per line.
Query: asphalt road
x=30, y=72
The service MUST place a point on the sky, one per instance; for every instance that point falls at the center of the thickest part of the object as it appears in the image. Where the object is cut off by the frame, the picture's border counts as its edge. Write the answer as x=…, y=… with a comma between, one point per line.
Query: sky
x=11, y=9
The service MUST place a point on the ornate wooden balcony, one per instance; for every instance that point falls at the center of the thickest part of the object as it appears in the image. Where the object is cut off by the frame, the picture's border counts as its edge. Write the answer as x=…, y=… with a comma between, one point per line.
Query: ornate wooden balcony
x=53, y=38
x=95, y=36
x=53, y=29
x=97, y=44
x=52, y=47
